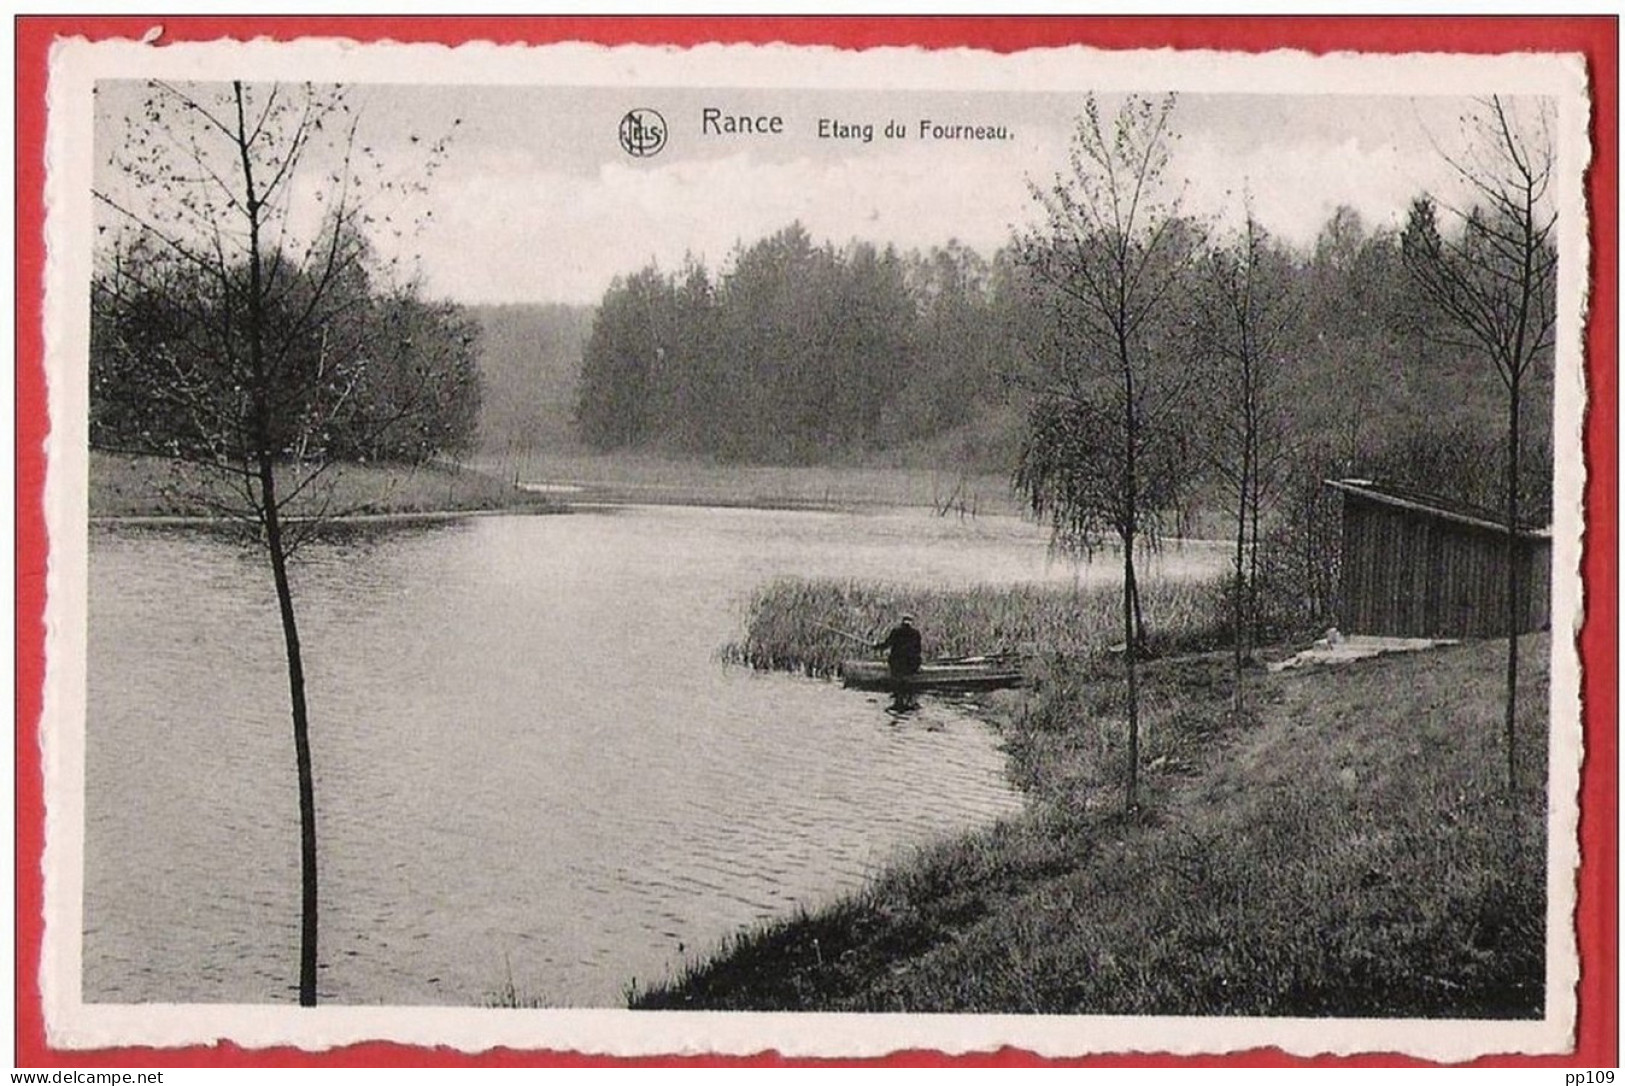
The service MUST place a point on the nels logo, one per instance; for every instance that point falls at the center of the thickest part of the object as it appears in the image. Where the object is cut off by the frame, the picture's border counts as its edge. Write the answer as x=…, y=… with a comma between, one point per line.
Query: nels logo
x=642, y=133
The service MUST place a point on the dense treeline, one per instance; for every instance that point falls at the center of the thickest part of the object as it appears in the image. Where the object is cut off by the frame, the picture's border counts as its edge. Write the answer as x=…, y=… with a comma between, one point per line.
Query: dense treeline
x=799, y=352
x=796, y=352
x=366, y=371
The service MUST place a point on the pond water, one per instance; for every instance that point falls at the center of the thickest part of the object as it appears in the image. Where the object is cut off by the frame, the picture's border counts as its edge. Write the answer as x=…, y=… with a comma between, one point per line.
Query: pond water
x=531, y=768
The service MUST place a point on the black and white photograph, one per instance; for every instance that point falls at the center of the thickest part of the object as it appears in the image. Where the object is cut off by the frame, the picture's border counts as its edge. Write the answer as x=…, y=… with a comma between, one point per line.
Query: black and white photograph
x=1062, y=549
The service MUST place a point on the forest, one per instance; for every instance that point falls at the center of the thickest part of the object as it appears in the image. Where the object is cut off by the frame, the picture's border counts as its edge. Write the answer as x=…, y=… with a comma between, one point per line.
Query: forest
x=805, y=352
x=364, y=370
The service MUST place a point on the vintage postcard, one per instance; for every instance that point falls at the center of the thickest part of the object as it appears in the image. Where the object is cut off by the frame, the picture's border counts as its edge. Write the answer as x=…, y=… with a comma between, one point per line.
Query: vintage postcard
x=634, y=550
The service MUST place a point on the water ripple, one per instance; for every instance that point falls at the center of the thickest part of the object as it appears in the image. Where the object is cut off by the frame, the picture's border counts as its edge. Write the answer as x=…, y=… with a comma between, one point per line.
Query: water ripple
x=529, y=762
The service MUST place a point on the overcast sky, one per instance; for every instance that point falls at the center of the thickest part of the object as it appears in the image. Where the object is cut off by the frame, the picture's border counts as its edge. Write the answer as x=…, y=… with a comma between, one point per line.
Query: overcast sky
x=537, y=201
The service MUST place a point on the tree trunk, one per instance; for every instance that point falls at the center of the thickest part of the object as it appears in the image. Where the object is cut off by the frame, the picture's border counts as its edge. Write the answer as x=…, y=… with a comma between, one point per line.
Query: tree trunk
x=301, y=739
x=1131, y=658
x=1139, y=621
x=1238, y=617
x=1256, y=499
x=1131, y=591
x=265, y=452
x=1512, y=582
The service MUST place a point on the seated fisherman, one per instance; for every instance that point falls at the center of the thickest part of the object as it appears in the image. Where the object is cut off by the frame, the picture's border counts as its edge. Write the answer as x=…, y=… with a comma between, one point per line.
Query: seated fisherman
x=902, y=648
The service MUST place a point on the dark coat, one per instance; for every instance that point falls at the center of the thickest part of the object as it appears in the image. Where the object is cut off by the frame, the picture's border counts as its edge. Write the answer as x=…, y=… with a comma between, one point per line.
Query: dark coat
x=902, y=648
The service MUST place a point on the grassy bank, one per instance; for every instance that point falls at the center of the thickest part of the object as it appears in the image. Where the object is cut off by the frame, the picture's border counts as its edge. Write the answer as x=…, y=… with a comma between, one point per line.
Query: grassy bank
x=1346, y=847
x=138, y=486
x=653, y=479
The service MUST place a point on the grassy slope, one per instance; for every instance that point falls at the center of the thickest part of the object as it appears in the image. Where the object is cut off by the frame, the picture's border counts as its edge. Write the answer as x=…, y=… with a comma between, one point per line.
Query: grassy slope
x=122, y=486
x=1345, y=849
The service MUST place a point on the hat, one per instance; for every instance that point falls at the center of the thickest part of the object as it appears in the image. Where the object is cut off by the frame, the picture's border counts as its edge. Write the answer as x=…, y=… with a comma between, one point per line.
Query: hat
x=908, y=618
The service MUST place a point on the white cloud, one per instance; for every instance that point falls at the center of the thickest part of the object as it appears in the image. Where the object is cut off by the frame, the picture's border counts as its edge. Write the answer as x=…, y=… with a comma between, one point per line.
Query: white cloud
x=515, y=235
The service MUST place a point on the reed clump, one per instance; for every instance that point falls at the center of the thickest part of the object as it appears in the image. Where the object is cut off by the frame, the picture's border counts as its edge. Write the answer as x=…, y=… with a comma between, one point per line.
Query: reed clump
x=810, y=626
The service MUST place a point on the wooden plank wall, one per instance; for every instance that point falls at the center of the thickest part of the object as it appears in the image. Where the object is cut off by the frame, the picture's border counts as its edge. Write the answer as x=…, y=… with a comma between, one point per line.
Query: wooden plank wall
x=1409, y=574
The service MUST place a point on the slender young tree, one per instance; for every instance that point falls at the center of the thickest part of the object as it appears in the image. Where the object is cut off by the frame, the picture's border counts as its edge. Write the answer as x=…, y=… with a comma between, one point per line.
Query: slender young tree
x=242, y=286
x=1104, y=451
x=1493, y=275
x=1246, y=305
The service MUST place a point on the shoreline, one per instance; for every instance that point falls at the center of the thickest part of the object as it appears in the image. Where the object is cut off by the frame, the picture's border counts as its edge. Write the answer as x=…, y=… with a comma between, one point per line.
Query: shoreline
x=182, y=520
x=144, y=491
x=131, y=491
x=1402, y=880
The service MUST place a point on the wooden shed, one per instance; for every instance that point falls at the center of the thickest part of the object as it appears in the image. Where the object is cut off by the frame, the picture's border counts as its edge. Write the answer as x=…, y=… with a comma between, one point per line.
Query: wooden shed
x=1415, y=565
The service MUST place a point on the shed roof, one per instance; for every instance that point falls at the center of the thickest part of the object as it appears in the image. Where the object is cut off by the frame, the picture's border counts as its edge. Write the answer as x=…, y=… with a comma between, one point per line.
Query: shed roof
x=1416, y=501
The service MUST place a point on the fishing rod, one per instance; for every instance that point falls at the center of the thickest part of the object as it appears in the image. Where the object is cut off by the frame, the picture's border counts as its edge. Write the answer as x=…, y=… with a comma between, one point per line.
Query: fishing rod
x=849, y=636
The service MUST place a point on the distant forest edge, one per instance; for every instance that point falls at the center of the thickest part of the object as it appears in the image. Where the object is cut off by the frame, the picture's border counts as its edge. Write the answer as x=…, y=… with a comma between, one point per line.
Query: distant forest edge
x=798, y=352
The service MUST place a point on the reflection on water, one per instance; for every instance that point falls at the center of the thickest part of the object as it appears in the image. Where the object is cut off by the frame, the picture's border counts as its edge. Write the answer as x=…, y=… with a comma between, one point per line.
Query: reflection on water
x=529, y=763
x=903, y=704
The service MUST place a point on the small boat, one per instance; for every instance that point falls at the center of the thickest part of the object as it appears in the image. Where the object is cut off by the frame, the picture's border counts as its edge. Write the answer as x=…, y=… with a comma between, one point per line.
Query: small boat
x=962, y=674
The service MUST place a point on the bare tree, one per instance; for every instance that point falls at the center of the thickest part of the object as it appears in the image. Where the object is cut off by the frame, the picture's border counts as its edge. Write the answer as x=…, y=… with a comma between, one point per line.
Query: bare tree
x=1246, y=304
x=1104, y=451
x=1494, y=277
x=240, y=286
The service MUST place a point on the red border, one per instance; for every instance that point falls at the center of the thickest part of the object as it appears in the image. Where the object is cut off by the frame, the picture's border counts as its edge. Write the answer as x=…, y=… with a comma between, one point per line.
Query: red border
x=1597, y=38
